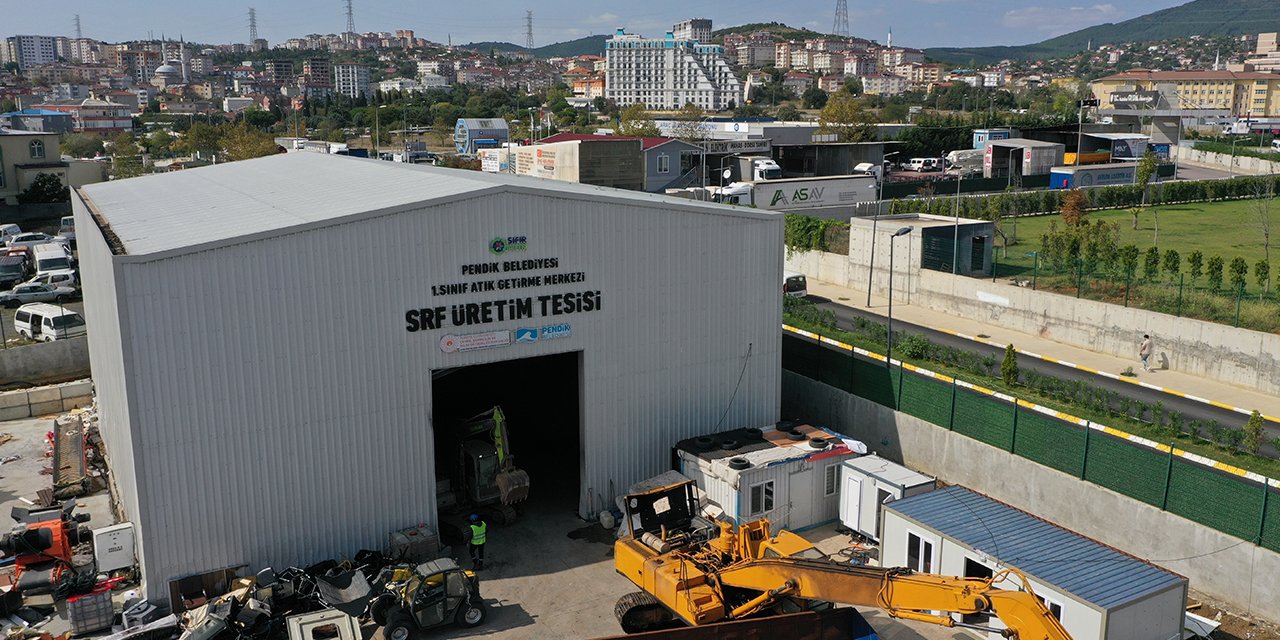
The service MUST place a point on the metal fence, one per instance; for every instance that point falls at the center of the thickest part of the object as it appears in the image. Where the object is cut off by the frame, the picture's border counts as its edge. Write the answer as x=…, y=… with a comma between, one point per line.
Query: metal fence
x=1223, y=501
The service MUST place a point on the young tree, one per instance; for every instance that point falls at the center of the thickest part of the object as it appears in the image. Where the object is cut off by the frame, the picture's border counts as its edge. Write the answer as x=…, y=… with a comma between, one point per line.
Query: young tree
x=1009, y=367
x=1195, y=264
x=1215, y=273
x=1260, y=206
x=1073, y=207
x=1146, y=170
x=1133, y=212
x=1129, y=259
x=1262, y=272
x=81, y=145
x=1239, y=271
x=787, y=113
x=1151, y=264
x=46, y=187
x=635, y=121
x=1253, y=430
x=814, y=98
x=126, y=159
x=1172, y=263
x=243, y=142
x=844, y=116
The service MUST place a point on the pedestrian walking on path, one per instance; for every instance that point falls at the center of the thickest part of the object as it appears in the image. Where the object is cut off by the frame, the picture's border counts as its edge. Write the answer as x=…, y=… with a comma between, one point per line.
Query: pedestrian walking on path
x=478, y=530
x=1144, y=352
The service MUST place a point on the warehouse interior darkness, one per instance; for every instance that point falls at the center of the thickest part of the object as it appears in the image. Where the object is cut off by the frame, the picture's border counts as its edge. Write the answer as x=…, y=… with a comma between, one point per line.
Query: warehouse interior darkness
x=541, y=398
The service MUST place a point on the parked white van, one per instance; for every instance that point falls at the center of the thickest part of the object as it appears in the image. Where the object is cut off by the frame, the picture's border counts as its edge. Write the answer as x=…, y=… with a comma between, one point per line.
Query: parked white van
x=52, y=257
x=794, y=284
x=47, y=322
x=7, y=231
x=67, y=230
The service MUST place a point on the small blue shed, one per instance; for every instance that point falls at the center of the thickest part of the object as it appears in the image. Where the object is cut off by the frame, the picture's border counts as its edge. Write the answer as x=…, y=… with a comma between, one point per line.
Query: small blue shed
x=473, y=134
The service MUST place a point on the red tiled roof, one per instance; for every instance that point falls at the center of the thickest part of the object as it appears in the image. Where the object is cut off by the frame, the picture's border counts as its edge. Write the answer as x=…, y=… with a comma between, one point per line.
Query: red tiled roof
x=646, y=143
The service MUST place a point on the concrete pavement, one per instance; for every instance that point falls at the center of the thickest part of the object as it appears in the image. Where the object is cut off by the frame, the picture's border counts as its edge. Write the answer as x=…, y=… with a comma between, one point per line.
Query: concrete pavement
x=1195, y=387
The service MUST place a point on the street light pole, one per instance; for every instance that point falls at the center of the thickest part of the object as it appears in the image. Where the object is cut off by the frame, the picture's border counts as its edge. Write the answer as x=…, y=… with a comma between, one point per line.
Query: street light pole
x=377, y=130
x=888, y=360
x=1233, y=156
x=871, y=261
x=1079, y=132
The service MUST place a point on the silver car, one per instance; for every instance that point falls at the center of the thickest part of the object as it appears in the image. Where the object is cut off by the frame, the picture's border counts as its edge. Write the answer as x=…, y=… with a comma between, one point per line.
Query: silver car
x=35, y=292
x=32, y=239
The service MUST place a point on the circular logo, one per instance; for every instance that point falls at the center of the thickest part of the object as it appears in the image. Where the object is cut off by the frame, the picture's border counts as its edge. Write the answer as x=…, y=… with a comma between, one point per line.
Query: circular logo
x=498, y=245
x=449, y=343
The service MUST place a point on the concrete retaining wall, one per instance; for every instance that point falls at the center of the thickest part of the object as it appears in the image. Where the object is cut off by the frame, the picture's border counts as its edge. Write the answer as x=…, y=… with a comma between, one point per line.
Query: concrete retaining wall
x=1224, y=567
x=41, y=401
x=1243, y=165
x=1227, y=354
x=45, y=363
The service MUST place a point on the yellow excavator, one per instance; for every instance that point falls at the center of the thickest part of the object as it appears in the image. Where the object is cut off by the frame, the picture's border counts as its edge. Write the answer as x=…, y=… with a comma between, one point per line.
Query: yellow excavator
x=699, y=572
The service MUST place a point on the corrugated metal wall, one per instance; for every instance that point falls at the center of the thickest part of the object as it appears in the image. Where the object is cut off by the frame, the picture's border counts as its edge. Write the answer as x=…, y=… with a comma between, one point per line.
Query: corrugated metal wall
x=282, y=412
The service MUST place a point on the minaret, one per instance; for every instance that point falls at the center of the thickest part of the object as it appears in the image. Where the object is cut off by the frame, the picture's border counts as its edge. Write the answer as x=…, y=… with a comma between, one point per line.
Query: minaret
x=889, y=44
x=1217, y=57
x=186, y=64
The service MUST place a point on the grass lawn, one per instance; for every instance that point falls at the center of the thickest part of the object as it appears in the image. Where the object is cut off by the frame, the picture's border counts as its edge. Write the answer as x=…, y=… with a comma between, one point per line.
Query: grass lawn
x=1226, y=229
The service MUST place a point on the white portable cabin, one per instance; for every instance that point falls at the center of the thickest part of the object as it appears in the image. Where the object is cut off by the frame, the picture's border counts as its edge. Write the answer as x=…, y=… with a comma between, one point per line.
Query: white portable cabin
x=868, y=482
x=789, y=475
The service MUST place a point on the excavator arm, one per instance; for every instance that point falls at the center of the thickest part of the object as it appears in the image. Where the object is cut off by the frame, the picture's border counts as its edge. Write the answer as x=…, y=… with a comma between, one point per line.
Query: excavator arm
x=900, y=592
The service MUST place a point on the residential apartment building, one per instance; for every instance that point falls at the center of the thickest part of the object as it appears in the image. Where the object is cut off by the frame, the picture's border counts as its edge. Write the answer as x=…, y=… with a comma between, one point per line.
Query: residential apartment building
x=884, y=84
x=893, y=56
x=1266, y=57
x=666, y=73
x=278, y=72
x=831, y=83
x=442, y=68
x=797, y=82
x=695, y=29
x=918, y=73
x=29, y=51
x=1244, y=93
x=755, y=54
x=317, y=72
x=351, y=79
x=826, y=62
x=861, y=65
x=93, y=115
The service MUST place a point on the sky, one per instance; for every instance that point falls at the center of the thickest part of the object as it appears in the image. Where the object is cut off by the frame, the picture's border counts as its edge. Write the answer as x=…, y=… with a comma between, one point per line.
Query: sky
x=915, y=23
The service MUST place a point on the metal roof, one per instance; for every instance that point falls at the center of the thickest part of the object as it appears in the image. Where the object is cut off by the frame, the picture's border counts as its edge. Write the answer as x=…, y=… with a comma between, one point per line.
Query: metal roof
x=1023, y=143
x=196, y=209
x=1088, y=569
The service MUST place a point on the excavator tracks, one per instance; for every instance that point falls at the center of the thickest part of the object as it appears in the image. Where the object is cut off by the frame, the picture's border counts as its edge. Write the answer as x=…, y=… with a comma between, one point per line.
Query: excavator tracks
x=638, y=611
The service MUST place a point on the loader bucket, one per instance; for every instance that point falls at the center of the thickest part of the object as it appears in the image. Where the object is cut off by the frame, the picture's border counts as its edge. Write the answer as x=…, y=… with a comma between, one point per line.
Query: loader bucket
x=513, y=485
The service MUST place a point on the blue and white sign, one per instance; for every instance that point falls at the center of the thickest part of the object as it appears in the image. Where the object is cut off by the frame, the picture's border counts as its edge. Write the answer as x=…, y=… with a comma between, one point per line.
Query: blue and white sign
x=554, y=331
x=527, y=334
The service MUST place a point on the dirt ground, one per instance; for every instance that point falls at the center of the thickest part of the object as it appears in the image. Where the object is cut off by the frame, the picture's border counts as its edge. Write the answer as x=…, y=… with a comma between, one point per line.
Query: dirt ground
x=1234, y=626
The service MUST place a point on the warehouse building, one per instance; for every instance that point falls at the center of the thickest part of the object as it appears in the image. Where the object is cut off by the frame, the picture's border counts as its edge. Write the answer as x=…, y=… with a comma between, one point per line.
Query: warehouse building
x=1097, y=592
x=280, y=344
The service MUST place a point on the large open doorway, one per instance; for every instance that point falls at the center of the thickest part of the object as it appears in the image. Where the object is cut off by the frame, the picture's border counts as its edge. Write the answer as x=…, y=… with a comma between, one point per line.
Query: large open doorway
x=540, y=398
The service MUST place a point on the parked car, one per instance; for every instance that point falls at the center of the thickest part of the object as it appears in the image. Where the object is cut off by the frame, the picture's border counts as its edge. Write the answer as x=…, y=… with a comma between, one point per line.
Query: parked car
x=24, y=293
x=46, y=322
x=31, y=239
x=57, y=279
x=13, y=270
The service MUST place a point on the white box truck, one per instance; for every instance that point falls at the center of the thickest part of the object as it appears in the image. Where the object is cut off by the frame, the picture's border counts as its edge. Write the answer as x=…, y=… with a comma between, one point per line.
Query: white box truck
x=799, y=193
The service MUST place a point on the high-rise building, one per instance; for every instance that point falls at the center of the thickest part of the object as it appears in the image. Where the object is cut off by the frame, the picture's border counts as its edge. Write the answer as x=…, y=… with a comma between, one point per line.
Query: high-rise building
x=30, y=51
x=279, y=72
x=318, y=72
x=667, y=73
x=696, y=29
x=351, y=79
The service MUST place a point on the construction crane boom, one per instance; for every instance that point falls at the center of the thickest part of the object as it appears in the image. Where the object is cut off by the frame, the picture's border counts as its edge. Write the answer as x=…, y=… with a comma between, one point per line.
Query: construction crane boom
x=703, y=573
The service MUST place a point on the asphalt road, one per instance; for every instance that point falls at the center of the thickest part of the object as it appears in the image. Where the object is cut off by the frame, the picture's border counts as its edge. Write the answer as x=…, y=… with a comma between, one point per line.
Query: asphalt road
x=1189, y=408
x=1188, y=172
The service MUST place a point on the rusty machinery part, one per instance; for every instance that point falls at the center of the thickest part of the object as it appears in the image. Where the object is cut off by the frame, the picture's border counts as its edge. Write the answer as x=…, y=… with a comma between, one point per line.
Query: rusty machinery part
x=639, y=611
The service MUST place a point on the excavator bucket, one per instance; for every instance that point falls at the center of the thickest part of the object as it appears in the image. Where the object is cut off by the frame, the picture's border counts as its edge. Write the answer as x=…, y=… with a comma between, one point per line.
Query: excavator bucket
x=513, y=485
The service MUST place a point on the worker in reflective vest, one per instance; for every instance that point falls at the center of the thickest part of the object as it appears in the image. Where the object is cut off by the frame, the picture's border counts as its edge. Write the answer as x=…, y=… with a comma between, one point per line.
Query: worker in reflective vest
x=478, y=528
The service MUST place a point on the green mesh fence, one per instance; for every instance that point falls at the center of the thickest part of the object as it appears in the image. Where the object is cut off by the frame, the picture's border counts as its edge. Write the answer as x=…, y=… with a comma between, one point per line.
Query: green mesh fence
x=875, y=382
x=984, y=418
x=926, y=398
x=1225, y=503
x=1120, y=466
x=1229, y=504
x=1271, y=524
x=1050, y=442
